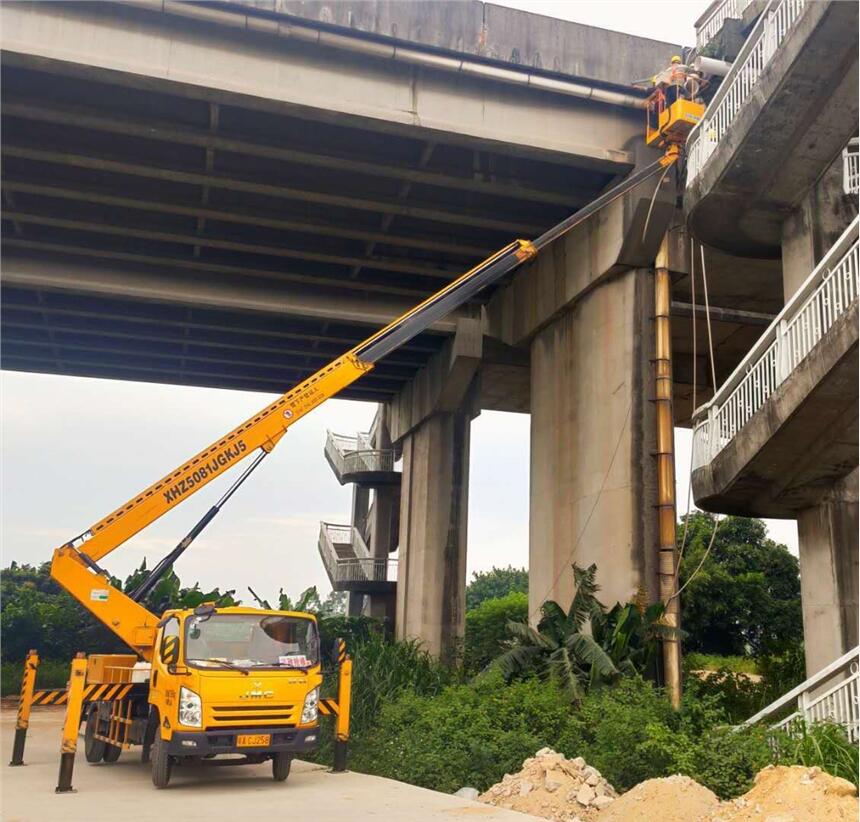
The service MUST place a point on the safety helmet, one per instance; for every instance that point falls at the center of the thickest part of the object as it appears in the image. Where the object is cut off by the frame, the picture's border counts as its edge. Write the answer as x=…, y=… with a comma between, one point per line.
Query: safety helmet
x=675, y=60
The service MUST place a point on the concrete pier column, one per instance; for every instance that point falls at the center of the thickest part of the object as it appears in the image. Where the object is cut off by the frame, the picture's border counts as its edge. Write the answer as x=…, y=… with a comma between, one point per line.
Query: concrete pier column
x=431, y=583
x=593, y=481
x=828, y=539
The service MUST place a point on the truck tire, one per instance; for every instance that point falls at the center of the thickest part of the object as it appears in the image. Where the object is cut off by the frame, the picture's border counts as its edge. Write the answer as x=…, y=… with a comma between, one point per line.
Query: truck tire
x=94, y=749
x=161, y=764
x=111, y=753
x=281, y=763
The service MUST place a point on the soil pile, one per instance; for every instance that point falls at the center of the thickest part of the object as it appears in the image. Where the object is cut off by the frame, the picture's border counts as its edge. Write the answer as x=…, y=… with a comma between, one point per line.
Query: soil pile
x=792, y=794
x=671, y=799
x=564, y=790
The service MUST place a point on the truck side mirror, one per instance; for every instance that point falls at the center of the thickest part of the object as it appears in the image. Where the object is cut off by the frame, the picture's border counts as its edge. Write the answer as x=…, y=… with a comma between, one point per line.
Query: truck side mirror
x=170, y=650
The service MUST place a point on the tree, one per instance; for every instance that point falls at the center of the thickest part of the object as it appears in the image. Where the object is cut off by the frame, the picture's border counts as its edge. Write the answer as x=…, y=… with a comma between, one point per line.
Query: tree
x=487, y=628
x=587, y=644
x=745, y=598
x=495, y=584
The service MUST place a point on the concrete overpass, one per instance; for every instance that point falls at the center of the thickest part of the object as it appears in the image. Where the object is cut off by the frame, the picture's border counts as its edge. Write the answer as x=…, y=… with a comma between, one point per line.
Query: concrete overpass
x=231, y=194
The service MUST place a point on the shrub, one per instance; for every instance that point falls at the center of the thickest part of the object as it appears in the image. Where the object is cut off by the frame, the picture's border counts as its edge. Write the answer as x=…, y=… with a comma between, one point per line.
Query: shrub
x=467, y=735
x=487, y=629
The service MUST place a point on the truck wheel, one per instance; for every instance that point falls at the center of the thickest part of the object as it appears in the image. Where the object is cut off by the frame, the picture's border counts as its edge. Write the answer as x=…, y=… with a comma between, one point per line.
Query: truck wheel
x=281, y=763
x=111, y=753
x=161, y=764
x=94, y=749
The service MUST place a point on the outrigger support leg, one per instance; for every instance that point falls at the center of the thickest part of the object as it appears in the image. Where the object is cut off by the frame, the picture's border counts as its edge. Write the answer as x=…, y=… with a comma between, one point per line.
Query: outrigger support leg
x=74, y=707
x=344, y=690
x=28, y=683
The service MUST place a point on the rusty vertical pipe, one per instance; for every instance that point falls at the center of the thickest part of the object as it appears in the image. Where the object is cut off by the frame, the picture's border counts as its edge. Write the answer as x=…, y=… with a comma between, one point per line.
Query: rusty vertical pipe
x=667, y=553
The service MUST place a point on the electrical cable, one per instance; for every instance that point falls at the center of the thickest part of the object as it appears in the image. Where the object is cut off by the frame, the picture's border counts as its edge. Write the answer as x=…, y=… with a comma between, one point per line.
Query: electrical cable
x=717, y=522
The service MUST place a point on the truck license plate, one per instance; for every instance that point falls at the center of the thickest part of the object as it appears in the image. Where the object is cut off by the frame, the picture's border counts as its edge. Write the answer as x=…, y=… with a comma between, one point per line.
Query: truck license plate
x=253, y=740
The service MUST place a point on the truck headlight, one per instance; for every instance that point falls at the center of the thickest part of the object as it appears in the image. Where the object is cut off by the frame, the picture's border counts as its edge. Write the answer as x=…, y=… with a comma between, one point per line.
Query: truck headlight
x=310, y=711
x=190, y=708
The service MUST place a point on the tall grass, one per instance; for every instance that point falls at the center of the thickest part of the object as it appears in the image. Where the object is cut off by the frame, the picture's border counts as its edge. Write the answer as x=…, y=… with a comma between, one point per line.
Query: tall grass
x=824, y=745
x=382, y=670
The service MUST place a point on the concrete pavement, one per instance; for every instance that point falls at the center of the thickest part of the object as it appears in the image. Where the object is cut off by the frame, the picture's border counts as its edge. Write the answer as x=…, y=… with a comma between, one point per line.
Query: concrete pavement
x=124, y=790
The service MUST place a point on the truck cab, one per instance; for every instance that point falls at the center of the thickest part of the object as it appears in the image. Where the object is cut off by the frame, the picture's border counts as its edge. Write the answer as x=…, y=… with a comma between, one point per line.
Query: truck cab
x=233, y=680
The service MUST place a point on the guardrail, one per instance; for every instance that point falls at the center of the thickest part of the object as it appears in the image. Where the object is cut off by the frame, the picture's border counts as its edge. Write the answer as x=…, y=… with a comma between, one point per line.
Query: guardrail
x=837, y=703
x=709, y=29
x=346, y=557
x=825, y=295
x=766, y=37
x=851, y=167
x=351, y=455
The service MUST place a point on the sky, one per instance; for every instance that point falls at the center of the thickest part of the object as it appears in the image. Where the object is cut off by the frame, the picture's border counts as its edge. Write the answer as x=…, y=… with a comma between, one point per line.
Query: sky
x=72, y=449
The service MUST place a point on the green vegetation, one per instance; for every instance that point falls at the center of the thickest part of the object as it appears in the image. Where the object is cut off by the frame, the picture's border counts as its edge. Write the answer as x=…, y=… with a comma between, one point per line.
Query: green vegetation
x=51, y=674
x=715, y=662
x=495, y=584
x=487, y=632
x=586, y=645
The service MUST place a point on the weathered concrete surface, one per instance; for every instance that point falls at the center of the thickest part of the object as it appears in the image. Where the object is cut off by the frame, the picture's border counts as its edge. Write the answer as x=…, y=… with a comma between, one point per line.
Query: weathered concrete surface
x=804, y=438
x=814, y=226
x=491, y=31
x=277, y=73
x=829, y=552
x=106, y=793
x=801, y=114
x=434, y=500
x=592, y=491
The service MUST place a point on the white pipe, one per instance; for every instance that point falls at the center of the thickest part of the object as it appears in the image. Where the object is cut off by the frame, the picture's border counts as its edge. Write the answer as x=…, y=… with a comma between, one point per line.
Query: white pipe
x=712, y=66
x=373, y=48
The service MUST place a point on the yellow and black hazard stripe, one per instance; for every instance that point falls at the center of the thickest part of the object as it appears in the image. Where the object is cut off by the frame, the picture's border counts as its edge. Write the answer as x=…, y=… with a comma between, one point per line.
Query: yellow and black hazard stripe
x=341, y=652
x=92, y=693
x=329, y=707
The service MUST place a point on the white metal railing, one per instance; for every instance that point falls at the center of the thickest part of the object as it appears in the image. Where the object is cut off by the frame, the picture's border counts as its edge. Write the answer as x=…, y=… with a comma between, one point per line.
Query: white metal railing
x=825, y=295
x=367, y=570
x=764, y=40
x=831, y=695
x=710, y=27
x=851, y=167
x=347, y=558
x=351, y=455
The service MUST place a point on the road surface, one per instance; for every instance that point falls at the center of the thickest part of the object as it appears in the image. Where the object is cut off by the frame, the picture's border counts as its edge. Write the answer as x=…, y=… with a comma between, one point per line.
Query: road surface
x=123, y=791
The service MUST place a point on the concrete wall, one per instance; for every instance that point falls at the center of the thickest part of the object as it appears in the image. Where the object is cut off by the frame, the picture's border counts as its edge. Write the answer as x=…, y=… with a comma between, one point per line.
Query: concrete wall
x=814, y=226
x=593, y=491
x=829, y=550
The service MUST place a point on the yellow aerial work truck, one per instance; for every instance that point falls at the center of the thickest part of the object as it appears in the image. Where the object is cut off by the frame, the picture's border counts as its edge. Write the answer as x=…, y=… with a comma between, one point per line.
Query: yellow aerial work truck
x=209, y=681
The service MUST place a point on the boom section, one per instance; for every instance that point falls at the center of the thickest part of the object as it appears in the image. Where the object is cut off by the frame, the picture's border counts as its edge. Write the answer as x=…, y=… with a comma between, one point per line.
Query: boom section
x=266, y=428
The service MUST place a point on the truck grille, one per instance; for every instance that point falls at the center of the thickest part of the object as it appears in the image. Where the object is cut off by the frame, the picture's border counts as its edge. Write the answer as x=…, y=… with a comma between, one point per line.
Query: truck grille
x=242, y=715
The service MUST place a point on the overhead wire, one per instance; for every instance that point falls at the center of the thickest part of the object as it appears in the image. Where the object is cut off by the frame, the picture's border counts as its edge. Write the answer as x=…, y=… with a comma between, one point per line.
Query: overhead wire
x=717, y=521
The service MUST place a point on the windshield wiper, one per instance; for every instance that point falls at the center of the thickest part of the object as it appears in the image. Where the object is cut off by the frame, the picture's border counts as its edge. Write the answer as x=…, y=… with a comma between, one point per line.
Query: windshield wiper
x=223, y=662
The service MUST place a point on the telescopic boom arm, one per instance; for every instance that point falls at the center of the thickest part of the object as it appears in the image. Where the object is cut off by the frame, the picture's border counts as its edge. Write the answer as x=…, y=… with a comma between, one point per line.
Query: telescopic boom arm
x=74, y=562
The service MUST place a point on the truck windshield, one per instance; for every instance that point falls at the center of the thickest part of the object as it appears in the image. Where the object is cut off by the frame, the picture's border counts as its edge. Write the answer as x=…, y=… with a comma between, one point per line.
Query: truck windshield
x=251, y=641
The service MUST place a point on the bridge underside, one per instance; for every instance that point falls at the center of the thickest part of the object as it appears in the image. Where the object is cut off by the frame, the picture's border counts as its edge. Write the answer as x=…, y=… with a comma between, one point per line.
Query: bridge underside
x=150, y=234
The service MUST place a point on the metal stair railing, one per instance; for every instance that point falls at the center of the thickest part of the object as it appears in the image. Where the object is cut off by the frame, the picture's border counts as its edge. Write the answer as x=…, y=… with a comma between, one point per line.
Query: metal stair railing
x=837, y=703
x=763, y=42
x=351, y=455
x=358, y=565
x=827, y=294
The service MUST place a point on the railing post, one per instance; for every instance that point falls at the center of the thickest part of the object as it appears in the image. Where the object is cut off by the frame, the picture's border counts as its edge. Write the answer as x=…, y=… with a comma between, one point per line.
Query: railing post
x=713, y=434
x=782, y=352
